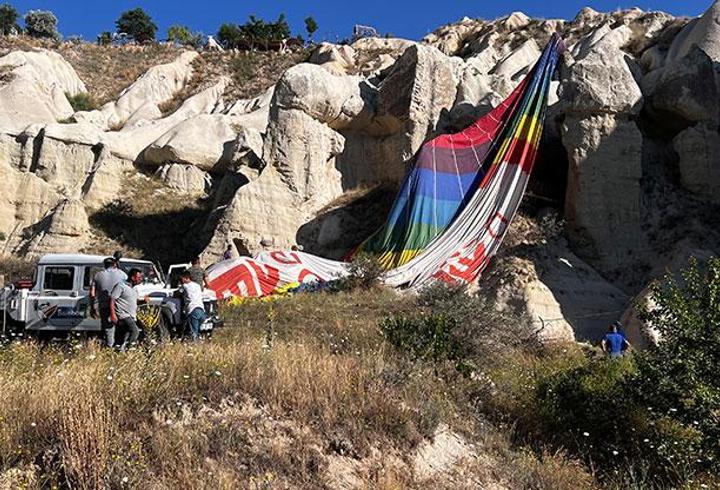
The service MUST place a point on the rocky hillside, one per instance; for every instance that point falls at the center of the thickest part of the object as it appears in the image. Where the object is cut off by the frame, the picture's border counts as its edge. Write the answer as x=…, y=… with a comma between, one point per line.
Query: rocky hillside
x=626, y=185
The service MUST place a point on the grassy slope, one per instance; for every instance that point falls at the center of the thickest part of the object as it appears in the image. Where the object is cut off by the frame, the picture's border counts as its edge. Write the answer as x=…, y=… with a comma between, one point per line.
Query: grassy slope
x=285, y=395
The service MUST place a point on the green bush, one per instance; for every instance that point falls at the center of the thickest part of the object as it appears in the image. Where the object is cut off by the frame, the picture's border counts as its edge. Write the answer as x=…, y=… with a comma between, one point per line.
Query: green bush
x=182, y=35
x=138, y=24
x=8, y=19
x=364, y=272
x=431, y=338
x=41, y=24
x=680, y=374
x=104, y=38
x=82, y=101
x=453, y=325
x=254, y=33
x=229, y=35
x=654, y=413
x=484, y=327
x=310, y=26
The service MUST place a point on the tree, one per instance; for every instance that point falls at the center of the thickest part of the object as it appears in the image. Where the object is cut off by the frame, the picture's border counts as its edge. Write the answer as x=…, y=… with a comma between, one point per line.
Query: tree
x=679, y=374
x=182, y=35
x=138, y=24
x=41, y=24
x=8, y=19
x=229, y=35
x=281, y=29
x=104, y=38
x=310, y=26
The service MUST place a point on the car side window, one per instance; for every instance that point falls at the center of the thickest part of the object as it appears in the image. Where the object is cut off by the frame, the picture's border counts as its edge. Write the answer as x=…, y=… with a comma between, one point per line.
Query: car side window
x=90, y=272
x=60, y=278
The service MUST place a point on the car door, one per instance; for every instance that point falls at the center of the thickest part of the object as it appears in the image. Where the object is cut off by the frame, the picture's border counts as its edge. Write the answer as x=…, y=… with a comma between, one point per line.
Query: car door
x=61, y=303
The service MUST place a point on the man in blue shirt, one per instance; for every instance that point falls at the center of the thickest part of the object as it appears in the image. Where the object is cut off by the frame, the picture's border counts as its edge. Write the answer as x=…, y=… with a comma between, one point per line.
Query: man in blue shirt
x=614, y=343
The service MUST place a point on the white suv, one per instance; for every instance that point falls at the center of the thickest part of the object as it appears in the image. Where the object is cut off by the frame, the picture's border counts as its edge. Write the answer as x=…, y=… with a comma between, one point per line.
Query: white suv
x=58, y=298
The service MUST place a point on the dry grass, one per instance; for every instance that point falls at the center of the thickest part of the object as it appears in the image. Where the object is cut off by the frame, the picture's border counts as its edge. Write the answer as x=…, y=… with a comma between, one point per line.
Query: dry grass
x=106, y=70
x=250, y=74
x=285, y=387
x=14, y=268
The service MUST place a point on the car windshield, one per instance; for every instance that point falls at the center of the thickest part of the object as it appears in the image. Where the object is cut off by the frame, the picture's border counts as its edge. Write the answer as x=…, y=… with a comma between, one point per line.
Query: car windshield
x=150, y=273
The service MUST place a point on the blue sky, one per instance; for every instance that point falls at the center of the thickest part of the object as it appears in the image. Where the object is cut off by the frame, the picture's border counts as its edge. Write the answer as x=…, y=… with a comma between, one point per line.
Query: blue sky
x=403, y=18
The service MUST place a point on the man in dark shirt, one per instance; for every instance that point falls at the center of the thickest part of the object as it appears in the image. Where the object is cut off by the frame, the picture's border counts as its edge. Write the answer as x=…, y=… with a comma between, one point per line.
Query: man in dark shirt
x=197, y=273
x=614, y=343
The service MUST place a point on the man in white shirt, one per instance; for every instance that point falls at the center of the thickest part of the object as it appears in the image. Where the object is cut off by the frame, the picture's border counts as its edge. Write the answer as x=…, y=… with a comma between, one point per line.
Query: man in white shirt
x=193, y=304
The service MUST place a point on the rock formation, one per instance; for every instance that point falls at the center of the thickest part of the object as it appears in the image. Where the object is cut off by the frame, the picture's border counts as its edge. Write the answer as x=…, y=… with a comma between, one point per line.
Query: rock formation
x=634, y=118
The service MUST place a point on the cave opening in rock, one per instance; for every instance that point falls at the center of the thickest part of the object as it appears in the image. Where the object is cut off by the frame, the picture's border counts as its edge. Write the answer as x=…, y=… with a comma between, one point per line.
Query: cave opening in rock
x=548, y=180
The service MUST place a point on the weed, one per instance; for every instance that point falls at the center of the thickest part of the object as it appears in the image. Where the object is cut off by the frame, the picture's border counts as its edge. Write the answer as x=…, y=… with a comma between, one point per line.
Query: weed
x=82, y=101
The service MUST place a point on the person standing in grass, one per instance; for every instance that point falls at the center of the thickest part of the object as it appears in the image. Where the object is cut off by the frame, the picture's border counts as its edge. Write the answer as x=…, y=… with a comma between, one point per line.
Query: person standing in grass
x=197, y=273
x=103, y=283
x=194, y=307
x=123, y=308
x=614, y=343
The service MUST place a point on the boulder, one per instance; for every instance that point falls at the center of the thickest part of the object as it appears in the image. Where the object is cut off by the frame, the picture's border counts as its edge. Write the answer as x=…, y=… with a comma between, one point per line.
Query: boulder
x=387, y=44
x=698, y=149
x=337, y=59
x=159, y=84
x=420, y=88
x=129, y=143
x=687, y=87
x=703, y=33
x=330, y=99
x=450, y=39
x=602, y=203
x=34, y=89
x=185, y=178
x=563, y=297
x=601, y=81
x=299, y=178
x=64, y=230
x=519, y=62
x=105, y=180
x=201, y=141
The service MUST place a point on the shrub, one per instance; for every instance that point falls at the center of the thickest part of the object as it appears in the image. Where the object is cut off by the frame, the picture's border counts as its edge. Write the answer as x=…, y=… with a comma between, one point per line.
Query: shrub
x=364, y=272
x=8, y=19
x=41, y=24
x=430, y=338
x=255, y=31
x=653, y=414
x=104, y=38
x=679, y=374
x=485, y=328
x=310, y=26
x=81, y=102
x=138, y=24
x=182, y=35
x=229, y=35
x=455, y=326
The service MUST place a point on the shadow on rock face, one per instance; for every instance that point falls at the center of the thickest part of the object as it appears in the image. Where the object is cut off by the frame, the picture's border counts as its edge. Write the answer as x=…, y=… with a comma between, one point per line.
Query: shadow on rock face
x=170, y=235
x=345, y=223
